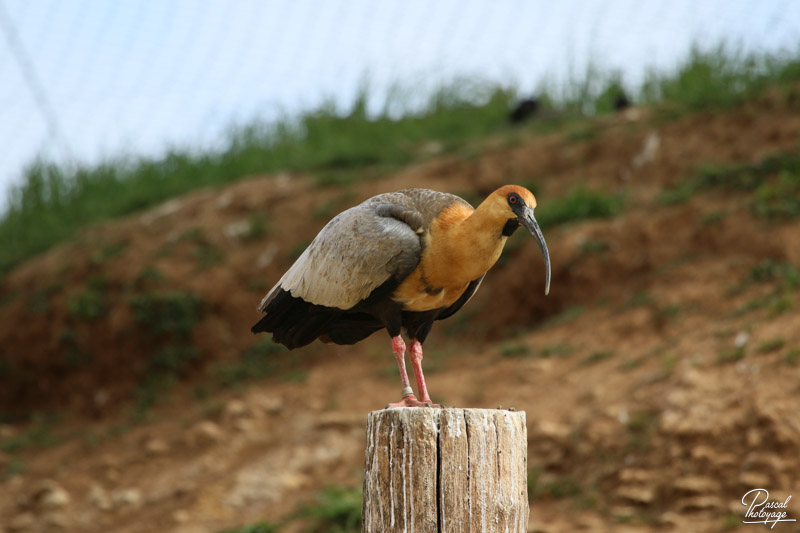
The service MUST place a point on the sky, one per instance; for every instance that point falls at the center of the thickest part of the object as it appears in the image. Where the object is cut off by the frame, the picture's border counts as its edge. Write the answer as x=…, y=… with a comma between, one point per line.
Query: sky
x=86, y=80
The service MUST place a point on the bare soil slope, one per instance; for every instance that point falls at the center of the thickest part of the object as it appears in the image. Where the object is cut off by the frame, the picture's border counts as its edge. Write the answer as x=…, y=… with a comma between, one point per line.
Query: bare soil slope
x=660, y=377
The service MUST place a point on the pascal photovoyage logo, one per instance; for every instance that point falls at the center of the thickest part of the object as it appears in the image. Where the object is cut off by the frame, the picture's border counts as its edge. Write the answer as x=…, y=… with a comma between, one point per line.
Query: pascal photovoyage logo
x=762, y=510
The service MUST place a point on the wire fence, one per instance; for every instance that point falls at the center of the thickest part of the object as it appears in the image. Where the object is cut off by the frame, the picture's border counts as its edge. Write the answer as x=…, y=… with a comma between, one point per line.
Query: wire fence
x=82, y=80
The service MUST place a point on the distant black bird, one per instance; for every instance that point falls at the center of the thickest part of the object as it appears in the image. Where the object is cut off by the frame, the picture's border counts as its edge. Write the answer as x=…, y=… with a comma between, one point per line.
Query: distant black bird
x=621, y=102
x=524, y=110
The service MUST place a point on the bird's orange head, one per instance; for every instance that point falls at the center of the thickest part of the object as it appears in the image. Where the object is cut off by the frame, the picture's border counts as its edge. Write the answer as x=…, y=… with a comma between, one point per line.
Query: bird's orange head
x=512, y=205
x=506, y=192
x=507, y=202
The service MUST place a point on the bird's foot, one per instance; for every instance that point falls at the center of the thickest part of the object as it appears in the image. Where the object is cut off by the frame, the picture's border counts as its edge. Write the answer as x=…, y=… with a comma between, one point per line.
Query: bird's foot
x=411, y=401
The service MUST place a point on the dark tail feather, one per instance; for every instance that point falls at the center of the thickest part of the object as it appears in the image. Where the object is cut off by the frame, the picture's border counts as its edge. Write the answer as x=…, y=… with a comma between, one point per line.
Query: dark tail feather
x=343, y=333
x=304, y=332
x=261, y=325
x=294, y=322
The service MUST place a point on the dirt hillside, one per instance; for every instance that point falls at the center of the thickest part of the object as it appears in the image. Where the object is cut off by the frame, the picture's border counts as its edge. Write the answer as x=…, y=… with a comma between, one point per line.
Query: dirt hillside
x=660, y=377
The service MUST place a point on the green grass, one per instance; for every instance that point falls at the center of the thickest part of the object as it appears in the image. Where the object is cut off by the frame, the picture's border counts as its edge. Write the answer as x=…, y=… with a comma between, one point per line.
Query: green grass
x=333, y=510
x=779, y=199
x=731, y=521
x=204, y=252
x=148, y=275
x=774, y=183
x=630, y=363
x=150, y=389
x=594, y=246
x=670, y=312
x=341, y=146
x=172, y=315
x=90, y=303
x=641, y=426
x=39, y=302
x=260, y=527
x=336, y=510
x=579, y=204
x=514, y=349
x=771, y=345
x=168, y=320
x=786, y=274
x=719, y=77
x=8, y=297
x=730, y=355
x=581, y=134
x=679, y=194
x=557, y=350
x=667, y=367
x=596, y=357
x=563, y=317
x=15, y=467
x=71, y=353
x=640, y=298
x=173, y=358
x=39, y=435
x=107, y=252
x=207, y=255
x=785, y=280
x=258, y=228
x=263, y=359
x=714, y=218
x=557, y=487
x=53, y=202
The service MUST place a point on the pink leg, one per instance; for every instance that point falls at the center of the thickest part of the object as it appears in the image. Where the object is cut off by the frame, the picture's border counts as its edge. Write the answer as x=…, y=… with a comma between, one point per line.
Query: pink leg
x=416, y=364
x=409, y=400
x=399, y=349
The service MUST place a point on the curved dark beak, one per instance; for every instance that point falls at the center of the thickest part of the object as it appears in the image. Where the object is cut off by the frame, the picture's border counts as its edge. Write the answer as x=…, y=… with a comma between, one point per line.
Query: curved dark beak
x=526, y=219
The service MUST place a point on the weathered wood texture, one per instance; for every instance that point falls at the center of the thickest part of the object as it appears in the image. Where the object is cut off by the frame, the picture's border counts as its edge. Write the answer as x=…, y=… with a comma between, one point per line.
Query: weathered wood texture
x=446, y=470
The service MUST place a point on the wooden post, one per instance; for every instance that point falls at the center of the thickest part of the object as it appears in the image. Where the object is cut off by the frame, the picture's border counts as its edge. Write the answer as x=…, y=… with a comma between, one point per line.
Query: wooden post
x=443, y=470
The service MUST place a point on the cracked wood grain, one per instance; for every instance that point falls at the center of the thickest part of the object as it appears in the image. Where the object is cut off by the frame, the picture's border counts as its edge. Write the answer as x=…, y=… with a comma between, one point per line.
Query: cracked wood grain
x=445, y=470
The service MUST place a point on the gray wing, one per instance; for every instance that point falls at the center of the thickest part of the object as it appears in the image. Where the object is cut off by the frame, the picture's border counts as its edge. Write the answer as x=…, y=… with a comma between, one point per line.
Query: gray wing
x=355, y=253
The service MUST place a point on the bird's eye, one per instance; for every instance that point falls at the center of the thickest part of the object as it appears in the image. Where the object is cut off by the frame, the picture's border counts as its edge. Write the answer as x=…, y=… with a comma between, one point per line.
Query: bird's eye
x=512, y=199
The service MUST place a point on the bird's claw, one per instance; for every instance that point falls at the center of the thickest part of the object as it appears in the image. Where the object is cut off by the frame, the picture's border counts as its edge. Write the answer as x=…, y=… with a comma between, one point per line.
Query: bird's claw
x=411, y=401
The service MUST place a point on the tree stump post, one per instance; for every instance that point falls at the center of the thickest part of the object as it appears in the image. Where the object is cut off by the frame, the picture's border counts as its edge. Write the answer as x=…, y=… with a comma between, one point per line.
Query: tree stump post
x=442, y=470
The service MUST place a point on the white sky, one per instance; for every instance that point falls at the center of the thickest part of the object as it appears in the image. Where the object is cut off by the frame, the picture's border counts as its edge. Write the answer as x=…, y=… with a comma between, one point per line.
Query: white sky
x=137, y=76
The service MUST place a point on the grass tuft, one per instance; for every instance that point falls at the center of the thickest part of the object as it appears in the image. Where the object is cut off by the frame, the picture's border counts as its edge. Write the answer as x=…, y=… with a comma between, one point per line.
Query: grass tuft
x=580, y=204
x=641, y=428
x=14, y=467
x=557, y=350
x=169, y=320
x=774, y=183
x=336, y=510
x=514, y=349
x=596, y=357
x=730, y=355
x=771, y=345
x=91, y=303
x=720, y=77
x=39, y=435
x=171, y=315
x=264, y=358
x=555, y=487
x=260, y=527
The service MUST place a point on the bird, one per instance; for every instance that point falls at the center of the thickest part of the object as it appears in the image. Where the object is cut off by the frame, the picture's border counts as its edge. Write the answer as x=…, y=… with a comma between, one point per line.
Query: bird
x=621, y=101
x=524, y=110
x=398, y=261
